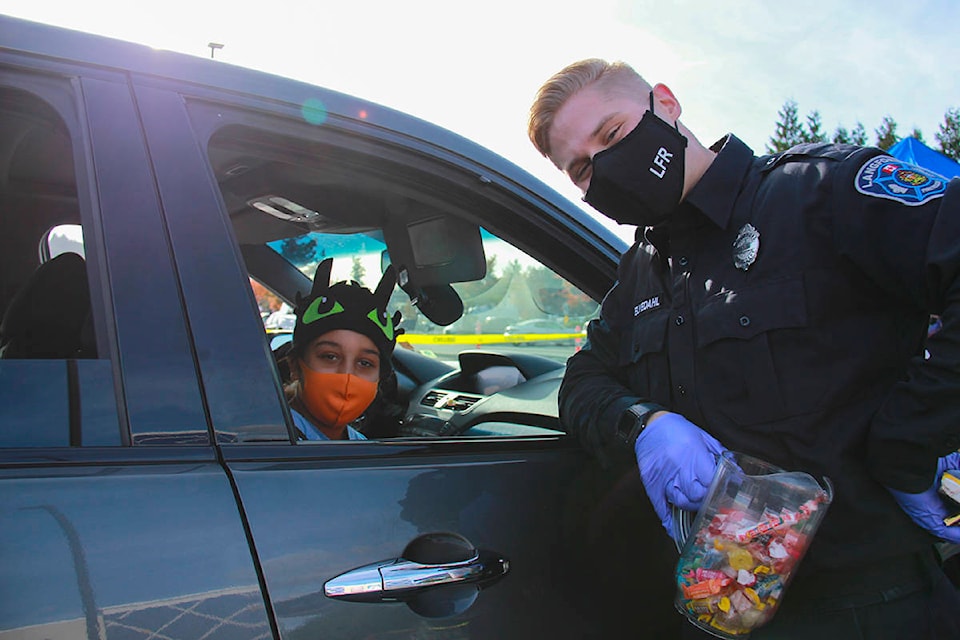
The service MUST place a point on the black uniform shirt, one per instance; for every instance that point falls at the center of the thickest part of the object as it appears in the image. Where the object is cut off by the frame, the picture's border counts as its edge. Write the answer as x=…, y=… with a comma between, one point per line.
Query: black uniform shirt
x=784, y=310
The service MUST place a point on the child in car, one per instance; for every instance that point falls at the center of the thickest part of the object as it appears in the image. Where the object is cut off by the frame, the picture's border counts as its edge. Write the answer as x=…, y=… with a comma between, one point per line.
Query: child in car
x=342, y=344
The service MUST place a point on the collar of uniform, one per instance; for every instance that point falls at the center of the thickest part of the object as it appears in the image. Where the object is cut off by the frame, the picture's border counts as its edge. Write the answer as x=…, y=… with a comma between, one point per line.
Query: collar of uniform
x=716, y=192
x=659, y=237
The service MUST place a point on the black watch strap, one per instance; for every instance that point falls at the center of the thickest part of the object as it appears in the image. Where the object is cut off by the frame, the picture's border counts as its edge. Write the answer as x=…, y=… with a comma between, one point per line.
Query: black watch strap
x=634, y=420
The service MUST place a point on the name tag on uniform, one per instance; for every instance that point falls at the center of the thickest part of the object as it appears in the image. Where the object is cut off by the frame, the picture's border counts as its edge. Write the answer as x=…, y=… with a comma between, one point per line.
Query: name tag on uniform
x=646, y=305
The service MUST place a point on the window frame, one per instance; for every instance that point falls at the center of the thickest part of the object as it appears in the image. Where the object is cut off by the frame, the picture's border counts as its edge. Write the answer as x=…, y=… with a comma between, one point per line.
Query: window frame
x=194, y=208
x=96, y=107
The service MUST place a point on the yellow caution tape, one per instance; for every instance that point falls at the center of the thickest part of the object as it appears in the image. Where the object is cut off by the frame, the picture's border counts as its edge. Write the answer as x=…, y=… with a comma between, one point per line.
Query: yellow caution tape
x=485, y=338
x=472, y=338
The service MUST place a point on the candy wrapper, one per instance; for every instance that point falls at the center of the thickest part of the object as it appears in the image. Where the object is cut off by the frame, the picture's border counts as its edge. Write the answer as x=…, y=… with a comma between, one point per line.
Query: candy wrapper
x=950, y=484
x=950, y=487
x=754, y=528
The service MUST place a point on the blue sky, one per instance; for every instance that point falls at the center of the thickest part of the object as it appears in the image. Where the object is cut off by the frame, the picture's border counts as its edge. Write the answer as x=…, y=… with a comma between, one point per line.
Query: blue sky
x=474, y=67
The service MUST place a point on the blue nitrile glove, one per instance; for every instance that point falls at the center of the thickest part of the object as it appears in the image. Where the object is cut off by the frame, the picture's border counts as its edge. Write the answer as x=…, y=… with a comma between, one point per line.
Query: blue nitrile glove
x=677, y=460
x=928, y=509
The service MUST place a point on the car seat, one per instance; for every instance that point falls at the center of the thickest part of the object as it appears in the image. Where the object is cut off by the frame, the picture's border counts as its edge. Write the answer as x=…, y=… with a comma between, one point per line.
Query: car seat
x=283, y=366
x=49, y=317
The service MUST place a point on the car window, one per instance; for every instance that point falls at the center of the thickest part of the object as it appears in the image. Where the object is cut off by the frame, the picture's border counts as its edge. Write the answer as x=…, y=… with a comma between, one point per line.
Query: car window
x=517, y=298
x=56, y=385
x=467, y=289
x=518, y=301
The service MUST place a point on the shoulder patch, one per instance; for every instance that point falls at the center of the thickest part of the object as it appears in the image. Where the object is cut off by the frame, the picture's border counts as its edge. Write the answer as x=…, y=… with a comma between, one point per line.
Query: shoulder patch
x=887, y=177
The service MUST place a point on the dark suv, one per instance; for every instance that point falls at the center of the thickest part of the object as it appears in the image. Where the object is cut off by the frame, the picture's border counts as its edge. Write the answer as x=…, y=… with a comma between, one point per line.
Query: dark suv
x=154, y=209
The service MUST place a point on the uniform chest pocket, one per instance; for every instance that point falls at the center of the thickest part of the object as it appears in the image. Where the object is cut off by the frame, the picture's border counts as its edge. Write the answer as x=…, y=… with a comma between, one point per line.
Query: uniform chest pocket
x=647, y=337
x=644, y=356
x=742, y=356
x=743, y=315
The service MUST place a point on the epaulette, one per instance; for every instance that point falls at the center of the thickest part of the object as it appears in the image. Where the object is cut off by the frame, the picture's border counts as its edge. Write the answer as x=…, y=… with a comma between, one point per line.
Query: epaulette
x=808, y=151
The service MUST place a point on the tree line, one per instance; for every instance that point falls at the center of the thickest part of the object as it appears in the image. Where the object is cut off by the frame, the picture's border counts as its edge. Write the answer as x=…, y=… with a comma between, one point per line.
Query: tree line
x=790, y=131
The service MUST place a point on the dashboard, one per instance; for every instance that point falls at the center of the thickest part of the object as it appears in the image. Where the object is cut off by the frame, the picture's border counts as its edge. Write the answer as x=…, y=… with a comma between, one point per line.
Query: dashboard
x=489, y=394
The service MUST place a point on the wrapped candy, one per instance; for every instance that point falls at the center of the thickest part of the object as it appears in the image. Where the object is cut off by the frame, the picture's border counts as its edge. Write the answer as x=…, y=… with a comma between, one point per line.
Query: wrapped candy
x=754, y=528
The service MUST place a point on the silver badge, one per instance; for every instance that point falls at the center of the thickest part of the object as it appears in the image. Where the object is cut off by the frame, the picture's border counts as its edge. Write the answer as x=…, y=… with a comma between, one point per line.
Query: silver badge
x=746, y=246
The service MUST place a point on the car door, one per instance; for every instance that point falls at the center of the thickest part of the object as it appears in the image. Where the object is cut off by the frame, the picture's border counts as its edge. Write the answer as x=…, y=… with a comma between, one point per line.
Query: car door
x=439, y=537
x=117, y=519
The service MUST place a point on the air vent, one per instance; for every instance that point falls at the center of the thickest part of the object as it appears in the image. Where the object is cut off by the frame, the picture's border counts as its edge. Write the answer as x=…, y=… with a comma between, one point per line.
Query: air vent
x=433, y=398
x=449, y=400
x=461, y=403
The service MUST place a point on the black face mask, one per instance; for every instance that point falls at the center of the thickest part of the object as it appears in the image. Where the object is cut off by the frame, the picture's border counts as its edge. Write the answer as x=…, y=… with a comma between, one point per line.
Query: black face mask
x=639, y=180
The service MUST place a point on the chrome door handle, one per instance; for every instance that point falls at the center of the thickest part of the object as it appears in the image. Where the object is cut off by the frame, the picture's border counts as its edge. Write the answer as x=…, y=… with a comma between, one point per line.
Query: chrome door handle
x=392, y=580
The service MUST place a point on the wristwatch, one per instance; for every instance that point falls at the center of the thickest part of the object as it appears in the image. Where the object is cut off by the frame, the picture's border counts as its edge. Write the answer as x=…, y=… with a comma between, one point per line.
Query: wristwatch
x=634, y=420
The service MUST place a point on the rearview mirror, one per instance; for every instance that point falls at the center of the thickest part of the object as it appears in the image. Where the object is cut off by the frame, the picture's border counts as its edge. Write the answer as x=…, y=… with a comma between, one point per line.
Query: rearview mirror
x=437, y=250
x=431, y=253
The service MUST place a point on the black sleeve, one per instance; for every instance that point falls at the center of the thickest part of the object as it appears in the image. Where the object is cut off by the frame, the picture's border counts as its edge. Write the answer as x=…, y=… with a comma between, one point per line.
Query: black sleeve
x=592, y=397
x=593, y=394
x=909, y=247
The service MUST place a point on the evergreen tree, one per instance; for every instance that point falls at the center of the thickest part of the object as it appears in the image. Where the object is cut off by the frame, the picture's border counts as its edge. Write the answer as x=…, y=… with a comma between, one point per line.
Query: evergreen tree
x=842, y=136
x=789, y=132
x=949, y=134
x=788, y=129
x=357, y=270
x=887, y=133
x=814, y=131
x=859, y=134
x=300, y=251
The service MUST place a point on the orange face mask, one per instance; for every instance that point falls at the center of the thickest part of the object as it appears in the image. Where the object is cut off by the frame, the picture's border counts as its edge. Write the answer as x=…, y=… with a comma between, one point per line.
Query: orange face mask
x=336, y=399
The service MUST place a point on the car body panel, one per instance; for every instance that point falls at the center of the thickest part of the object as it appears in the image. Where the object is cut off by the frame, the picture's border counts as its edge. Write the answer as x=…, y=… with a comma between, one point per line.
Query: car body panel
x=112, y=550
x=370, y=509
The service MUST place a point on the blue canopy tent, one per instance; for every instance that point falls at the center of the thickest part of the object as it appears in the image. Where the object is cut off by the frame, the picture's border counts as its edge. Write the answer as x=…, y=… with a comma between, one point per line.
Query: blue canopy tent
x=915, y=152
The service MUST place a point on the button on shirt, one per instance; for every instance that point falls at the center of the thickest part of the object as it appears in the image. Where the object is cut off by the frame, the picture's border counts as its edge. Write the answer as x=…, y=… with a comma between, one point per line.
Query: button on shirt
x=784, y=310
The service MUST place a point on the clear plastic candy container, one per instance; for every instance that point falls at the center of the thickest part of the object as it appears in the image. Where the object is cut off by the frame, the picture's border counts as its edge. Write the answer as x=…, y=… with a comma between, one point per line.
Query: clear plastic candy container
x=745, y=544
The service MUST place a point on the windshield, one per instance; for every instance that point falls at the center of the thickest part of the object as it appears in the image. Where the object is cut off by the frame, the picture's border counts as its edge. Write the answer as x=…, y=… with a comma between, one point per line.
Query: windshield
x=519, y=302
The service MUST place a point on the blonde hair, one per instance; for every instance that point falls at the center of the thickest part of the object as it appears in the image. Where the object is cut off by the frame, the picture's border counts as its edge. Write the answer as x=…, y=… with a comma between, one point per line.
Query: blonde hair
x=614, y=76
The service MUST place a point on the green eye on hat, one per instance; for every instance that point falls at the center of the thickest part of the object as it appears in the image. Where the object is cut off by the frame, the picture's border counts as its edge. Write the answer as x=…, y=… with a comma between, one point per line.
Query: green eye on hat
x=314, y=313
